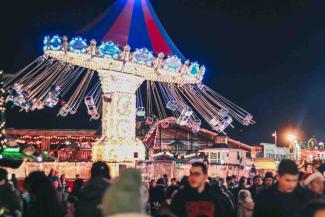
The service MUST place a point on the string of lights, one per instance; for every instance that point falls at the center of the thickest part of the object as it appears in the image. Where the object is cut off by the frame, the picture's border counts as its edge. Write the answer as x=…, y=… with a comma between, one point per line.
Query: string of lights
x=2, y=113
x=58, y=137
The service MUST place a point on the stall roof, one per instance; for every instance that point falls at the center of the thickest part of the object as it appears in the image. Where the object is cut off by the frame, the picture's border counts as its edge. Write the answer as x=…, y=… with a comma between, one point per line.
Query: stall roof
x=51, y=132
x=264, y=163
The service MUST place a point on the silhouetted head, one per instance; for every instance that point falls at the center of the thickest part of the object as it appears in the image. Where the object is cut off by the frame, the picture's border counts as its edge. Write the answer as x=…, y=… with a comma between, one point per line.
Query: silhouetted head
x=3, y=176
x=100, y=169
x=287, y=176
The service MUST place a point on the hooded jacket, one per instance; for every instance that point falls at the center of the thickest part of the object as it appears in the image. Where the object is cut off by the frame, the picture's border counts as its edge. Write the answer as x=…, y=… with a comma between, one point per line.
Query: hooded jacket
x=157, y=195
x=226, y=201
x=245, y=204
x=190, y=203
x=126, y=197
x=90, y=198
x=273, y=203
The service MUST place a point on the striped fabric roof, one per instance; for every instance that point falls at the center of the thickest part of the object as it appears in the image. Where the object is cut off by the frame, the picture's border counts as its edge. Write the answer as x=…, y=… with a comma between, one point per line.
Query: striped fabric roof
x=133, y=22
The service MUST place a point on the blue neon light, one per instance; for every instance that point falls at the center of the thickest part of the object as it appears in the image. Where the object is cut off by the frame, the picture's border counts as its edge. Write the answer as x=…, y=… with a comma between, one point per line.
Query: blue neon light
x=78, y=45
x=46, y=42
x=112, y=50
x=173, y=63
x=109, y=49
x=194, y=69
x=203, y=69
x=143, y=56
x=56, y=43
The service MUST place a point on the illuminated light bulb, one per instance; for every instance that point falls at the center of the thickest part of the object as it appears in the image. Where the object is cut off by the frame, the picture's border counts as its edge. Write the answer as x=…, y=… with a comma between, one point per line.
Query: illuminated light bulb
x=292, y=137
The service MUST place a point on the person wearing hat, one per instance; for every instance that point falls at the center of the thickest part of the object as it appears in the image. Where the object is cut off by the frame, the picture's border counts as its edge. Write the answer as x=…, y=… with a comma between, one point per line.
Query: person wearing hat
x=126, y=197
x=315, y=183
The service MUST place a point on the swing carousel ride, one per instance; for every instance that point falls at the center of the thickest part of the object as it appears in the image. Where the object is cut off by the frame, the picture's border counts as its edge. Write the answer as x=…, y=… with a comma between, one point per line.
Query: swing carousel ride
x=119, y=84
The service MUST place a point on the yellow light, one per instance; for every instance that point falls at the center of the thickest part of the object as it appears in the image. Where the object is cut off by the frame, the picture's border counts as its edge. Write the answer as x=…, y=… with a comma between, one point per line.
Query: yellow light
x=291, y=137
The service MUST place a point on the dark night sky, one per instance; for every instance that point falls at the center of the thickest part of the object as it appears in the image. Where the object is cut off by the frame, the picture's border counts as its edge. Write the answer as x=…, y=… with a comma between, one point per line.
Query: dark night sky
x=266, y=56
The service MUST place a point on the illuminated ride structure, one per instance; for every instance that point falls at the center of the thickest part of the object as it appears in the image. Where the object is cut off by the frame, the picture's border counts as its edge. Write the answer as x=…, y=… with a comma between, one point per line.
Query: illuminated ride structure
x=120, y=84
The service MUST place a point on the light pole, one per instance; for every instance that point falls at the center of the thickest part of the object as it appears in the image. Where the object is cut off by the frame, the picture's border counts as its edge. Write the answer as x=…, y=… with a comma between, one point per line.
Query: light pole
x=292, y=138
x=275, y=135
x=292, y=146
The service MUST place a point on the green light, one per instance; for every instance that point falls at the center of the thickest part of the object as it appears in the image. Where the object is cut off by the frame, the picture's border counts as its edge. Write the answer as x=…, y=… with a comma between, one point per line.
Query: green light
x=16, y=155
x=11, y=149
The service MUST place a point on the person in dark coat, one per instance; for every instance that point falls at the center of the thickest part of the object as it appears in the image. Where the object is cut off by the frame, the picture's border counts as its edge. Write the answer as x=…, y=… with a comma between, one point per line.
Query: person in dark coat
x=219, y=192
x=165, y=177
x=197, y=198
x=230, y=183
x=63, y=181
x=152, y=184
x=14, y=181
x=10, y=201
x=226, y=190
x=51, y=173
x=285, y=198
x=157, y=196
x=77, y=186
x=183, y=182
x=25, y=196
x=53, y=176
x=268, y=180
x=315, y=208
x=241, y=186
x=256, y=187
x=45, y=201
x=92, y=193
x=172, y=188
x=314, y=182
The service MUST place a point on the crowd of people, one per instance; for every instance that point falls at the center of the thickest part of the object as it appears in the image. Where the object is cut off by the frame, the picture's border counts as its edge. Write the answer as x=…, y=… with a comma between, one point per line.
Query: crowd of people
x=288, y=193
